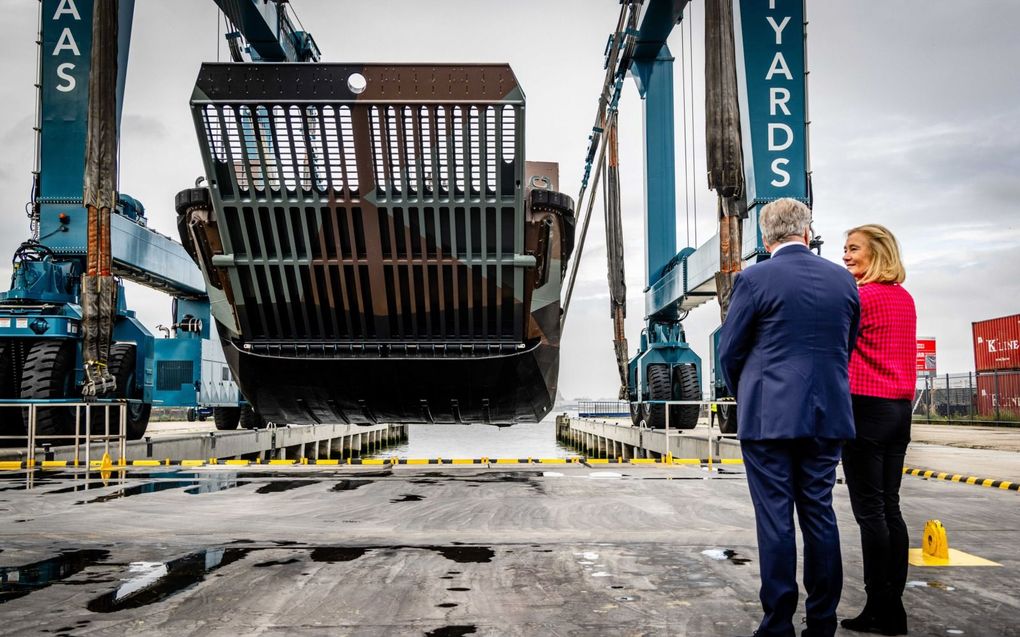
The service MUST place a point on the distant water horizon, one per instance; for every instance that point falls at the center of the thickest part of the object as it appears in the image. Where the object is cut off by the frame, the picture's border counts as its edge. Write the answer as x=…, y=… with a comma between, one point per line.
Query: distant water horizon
x=524, y=440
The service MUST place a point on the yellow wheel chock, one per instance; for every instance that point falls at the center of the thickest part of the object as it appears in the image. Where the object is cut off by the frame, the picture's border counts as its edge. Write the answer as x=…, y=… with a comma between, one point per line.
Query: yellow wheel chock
x=935, y=543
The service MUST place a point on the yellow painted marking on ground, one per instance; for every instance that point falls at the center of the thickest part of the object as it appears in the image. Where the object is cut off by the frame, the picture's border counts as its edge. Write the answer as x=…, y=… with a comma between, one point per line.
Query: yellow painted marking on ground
x=598, y=461
x=1005, y=484
x=731, y=460
x=462, y=461
x=957, y=477
x=417, y=461
x=643, y=461
x=987, y=482
x=686, y=461
x=192, y=463
x=327, y=461
x=240, y=463
x=374, y=461
x=552, y=461
x=282, y=461
x=971, y=480
x=956, y=558
x=928, y=474
x=53, y=464
x=506, y=461
x=145, y=463
x=10, y=464
x=942, y=476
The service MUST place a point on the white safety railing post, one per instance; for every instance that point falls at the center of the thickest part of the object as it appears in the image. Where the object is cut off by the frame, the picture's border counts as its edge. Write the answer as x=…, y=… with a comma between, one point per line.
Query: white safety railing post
x=106, y=429
x=88, y=444
x=77, y=432
x=123, y=433
x=30, y=443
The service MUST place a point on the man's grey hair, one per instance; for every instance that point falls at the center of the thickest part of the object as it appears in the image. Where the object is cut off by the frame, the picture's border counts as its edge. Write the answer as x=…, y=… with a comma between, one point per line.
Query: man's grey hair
x=784, y=219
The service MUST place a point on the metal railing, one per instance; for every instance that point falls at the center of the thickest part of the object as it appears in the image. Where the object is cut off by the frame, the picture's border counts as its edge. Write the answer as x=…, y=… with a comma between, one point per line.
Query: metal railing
x=84, y=415
x=985, y=397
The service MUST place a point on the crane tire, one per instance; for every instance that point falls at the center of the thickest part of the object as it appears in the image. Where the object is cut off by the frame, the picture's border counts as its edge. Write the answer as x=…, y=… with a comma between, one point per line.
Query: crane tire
x=49, y=373
x=226, y=418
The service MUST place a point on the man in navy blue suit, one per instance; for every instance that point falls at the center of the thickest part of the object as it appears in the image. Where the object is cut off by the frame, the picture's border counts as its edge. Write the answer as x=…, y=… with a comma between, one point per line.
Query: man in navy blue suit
x=784, y=351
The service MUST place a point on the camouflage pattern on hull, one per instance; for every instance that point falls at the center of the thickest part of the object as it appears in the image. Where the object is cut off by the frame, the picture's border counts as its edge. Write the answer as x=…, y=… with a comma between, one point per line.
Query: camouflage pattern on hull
x=385, y=255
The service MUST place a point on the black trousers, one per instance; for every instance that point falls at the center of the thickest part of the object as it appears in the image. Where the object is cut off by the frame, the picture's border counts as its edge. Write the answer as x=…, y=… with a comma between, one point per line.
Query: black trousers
x=873, y=466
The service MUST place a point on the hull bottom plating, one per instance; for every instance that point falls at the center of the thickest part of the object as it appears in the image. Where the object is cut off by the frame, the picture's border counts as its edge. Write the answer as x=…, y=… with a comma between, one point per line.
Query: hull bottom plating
x=499, y=390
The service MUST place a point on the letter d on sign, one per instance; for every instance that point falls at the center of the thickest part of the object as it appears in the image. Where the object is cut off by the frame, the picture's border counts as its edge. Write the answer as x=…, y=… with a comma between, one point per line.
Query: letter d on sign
x=773, y=127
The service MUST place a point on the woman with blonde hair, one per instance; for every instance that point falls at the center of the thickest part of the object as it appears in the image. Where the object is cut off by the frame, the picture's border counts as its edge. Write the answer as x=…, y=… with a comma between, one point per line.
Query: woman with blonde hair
x=882, y=381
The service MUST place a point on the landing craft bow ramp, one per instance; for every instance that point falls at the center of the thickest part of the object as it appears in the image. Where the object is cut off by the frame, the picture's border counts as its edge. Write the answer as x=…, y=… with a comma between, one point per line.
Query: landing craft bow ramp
x=376, y=247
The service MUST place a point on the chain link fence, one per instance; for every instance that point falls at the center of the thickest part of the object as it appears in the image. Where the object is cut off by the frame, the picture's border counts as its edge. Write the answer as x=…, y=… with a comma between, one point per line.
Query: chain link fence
x=988, y=397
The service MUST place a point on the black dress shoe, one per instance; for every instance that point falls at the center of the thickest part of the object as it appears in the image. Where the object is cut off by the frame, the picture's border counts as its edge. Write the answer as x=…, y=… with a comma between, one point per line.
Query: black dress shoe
x=881, y=625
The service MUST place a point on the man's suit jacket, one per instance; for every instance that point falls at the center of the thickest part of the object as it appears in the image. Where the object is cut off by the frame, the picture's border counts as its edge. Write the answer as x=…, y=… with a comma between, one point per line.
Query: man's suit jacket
x=785, y=347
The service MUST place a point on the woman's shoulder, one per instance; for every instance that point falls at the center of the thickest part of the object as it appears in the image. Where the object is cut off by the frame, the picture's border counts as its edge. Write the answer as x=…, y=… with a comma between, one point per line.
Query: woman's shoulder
x=885, y=293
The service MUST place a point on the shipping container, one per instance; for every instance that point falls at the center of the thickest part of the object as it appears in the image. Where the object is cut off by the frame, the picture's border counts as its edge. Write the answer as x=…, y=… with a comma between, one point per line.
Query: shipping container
x=998, y=394
x=997, y=344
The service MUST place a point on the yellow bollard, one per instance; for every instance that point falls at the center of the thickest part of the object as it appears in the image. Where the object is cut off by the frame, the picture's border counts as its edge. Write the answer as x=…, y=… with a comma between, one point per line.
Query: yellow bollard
x=105, y=464
x=935, y=543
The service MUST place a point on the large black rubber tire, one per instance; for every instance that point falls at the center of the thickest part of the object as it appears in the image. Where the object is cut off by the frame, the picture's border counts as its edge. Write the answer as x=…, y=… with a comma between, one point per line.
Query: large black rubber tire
x=685, y=387
x=190, y=414
x=635, y=414
x=11, y=423
x=660, y=387
x=49, y=373
x=727, y=418
x=122, y=367
x=226, y=418
x=681, y=384
x=250, y=419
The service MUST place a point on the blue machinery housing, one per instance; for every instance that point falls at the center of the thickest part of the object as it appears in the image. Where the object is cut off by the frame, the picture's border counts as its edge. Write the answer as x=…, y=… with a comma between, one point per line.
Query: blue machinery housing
x=771, y=83
x=40, y=317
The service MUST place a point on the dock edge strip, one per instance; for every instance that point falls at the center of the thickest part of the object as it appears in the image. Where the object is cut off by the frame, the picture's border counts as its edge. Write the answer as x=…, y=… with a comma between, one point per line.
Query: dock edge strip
x=1005, y=485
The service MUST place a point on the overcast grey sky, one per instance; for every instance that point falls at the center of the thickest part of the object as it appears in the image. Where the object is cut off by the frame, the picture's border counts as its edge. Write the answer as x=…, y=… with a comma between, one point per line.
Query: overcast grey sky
x=915, y=110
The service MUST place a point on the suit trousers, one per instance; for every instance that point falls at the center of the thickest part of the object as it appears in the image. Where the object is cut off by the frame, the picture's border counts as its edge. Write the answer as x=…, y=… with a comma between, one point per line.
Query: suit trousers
x=873, y=465
x=783, y=475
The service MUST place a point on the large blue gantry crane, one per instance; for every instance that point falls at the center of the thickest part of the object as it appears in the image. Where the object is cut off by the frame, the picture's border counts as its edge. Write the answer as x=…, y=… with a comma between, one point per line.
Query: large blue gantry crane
x=757, y=152
x=43, y=323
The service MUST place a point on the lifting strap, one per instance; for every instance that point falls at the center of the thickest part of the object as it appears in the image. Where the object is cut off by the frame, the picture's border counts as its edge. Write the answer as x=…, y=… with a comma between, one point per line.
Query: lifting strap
x=614, y=252
x=99, y=289
x=722, y=137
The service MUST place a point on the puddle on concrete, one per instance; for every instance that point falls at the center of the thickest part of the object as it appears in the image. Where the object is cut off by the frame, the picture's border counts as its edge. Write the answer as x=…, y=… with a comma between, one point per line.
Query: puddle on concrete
x=464, y=554
x=338, y=553
x=349, y=485
x=407, y=497
x=292, y=560
x=447, y=605
x=149, y=487
x=930, y=584
x=155, y=581
x=452, y=631
x=18, y=581
x=284, y=485
x=726, y=554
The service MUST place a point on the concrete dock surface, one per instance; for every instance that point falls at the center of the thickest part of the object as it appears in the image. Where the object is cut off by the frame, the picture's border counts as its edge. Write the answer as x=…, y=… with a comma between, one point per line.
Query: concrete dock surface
x=416, y=550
